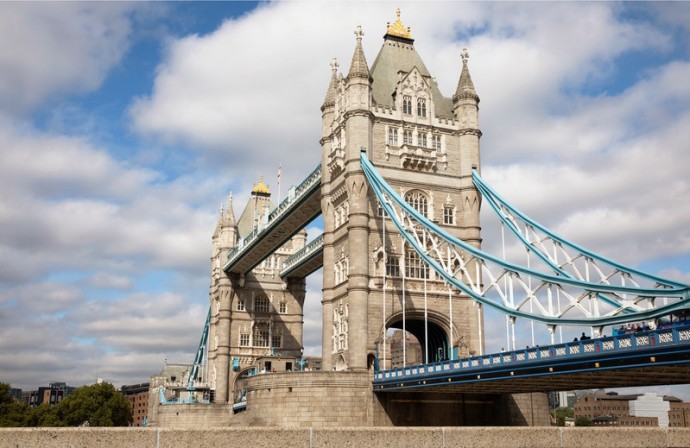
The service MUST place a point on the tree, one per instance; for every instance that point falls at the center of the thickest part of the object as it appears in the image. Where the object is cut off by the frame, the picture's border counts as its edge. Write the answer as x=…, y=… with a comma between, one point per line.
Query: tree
x=561, y=414
x=96, y=405
x=11, y=412
x=582, y=421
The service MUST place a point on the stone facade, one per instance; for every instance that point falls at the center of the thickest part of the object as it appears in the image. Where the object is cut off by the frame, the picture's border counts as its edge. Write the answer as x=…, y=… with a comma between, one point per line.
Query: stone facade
x=255, y=315
x=425, y=145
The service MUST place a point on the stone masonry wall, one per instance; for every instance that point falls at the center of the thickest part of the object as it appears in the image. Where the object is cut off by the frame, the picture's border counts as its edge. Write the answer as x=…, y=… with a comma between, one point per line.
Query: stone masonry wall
x=496, y=437
x=308, y=399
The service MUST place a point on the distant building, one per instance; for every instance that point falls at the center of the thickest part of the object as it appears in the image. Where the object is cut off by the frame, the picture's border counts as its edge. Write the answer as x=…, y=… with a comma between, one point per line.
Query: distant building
x=52, y=395
x=313, y=363
x=138, y=397
x=15, y=393
x=404, y=351
x=679, y=414
x=648, y=409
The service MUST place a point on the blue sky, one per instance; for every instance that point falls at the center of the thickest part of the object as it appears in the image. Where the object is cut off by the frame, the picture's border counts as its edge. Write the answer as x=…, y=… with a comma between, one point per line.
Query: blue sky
x=124, y=126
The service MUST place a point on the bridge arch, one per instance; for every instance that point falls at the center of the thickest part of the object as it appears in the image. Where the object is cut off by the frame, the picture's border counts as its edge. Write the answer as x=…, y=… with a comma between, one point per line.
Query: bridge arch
x=437, y=328
x=240, y=383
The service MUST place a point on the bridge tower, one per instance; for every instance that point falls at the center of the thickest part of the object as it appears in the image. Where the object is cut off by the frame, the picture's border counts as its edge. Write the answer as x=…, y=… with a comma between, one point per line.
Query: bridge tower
x=256, y=314
x=425, y=145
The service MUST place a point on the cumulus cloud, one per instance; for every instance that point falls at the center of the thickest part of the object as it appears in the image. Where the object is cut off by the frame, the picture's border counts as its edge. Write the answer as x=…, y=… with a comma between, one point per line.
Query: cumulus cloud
x=62, y=49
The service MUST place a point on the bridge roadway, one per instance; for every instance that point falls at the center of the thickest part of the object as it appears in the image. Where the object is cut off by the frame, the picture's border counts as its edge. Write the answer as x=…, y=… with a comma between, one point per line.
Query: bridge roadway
x=660, y=357
x=301, y=206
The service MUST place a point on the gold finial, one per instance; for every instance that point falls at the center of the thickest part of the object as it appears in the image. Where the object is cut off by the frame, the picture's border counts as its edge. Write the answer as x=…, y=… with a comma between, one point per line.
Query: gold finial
x=261, y=187
x=398, y=29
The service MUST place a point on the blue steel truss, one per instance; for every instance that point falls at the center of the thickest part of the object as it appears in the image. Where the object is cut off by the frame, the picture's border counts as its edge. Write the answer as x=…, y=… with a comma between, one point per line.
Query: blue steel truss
x=200, y=351
x=519, y=291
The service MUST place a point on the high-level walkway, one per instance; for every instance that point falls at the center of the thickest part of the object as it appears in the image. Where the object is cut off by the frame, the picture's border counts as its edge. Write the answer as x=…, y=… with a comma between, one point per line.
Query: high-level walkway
x=295, y=212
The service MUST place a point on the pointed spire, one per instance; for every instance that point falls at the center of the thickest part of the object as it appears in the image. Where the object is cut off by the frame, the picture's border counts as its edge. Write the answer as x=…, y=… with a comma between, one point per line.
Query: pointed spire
x=465, y=89
x=330, y=94
x=359, y=67
x=230, y=215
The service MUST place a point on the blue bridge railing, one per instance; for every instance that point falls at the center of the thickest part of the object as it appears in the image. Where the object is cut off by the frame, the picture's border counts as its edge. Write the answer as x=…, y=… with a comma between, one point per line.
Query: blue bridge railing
x=303, y=254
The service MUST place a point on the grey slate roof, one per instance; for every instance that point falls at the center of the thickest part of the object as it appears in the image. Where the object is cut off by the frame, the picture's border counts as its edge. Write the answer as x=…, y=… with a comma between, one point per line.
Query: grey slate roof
x=397, y=55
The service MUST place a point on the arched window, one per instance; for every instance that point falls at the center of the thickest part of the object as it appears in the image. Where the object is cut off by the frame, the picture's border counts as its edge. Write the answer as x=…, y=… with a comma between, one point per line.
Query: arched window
x=261, y=304
x=407, y=105
x=392, y=136
x=407, y=137
x=418, y=200
x=421, y=107
x=421, y=139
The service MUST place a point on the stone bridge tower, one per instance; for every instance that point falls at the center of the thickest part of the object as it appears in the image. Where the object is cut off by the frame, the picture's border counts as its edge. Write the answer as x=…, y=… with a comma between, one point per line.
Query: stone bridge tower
x=255, y=315
x=425, y=145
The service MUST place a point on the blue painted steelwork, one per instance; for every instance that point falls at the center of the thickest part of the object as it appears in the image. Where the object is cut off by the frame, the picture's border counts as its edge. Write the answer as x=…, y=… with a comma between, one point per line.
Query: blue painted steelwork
x=444, y=241
x=199, y=358
x=497, y=203
x=293, y=262
x=563, y=358
x=290, y=203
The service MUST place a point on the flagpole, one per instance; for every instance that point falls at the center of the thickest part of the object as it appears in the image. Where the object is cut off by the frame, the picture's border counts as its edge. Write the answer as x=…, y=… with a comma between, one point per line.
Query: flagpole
x=280, y=167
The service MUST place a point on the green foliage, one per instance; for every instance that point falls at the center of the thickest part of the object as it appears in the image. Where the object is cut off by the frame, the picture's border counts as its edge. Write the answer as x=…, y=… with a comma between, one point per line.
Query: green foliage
x=561, y=414
x=583, y=421
x=95, y=405
x=11, y=412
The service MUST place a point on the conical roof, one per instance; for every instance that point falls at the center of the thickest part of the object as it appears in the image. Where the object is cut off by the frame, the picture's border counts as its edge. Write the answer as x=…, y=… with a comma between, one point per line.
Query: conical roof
x=330, y=93
x=359, y=67
x=465, y=89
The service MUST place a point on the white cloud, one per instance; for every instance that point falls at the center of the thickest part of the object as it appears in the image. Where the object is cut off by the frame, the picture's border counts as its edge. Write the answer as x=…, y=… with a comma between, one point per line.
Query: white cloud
x=64, y=48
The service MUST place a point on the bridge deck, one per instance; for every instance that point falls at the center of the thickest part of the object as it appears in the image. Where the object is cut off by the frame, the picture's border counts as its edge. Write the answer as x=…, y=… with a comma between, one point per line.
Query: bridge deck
x=643, y=359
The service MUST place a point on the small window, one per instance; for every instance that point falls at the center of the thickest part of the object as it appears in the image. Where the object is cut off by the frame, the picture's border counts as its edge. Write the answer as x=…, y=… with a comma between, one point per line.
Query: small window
x=275, y=341
x=261, y=304
x=407, y=105
x=244, y=340
x=392, y=266
x=407, y=137
x=436, y=142
x=421, y=107
x=283, y=308
x=415, y=267
x=393, y=136
x=240, y=305
x=448, y=215
x=421, y=140
x=260, y=338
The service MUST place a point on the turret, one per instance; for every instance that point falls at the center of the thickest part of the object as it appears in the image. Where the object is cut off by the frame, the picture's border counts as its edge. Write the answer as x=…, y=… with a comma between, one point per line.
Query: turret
x=466, y=110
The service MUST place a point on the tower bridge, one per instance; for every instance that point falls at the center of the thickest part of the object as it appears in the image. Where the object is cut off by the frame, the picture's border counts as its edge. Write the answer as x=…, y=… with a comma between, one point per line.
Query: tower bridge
x=400, y=191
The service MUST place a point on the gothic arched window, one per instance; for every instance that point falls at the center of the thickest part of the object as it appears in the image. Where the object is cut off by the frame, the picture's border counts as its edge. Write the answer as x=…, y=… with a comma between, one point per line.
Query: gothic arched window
x=421, y=107
x=419, y=201
x=407, y=105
